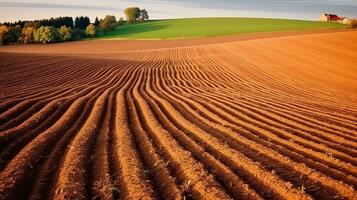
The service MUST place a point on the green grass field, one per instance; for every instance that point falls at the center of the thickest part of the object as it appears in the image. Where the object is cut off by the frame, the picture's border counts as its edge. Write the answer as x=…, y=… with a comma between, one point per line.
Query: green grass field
x=204, y=27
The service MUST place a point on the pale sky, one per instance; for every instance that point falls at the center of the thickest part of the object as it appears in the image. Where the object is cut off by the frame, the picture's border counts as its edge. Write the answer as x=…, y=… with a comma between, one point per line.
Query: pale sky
x=158, y=9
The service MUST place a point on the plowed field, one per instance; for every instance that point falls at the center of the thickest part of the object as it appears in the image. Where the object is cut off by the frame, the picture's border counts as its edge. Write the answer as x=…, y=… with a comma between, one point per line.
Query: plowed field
x=268, y=118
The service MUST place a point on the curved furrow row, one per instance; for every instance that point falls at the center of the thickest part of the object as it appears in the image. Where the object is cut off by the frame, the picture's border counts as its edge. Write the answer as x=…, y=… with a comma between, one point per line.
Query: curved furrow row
x=215, y=126
x=192, y=172
x=235, y=101
x=303, y=118
x=65, y=94
x=285, y=135
x=310, y=109
x=39, y=118
x=74, y=177
x=46, y=180
x=17, y=176
x=240, y=120
x=206, y=100
x=224, y=175
x=218, y=148
x=269, y=118
x=282, y=86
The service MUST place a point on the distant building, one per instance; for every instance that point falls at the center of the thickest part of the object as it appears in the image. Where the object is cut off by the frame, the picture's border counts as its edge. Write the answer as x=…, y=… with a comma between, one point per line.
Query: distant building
x=333, y=18
x=346, y=21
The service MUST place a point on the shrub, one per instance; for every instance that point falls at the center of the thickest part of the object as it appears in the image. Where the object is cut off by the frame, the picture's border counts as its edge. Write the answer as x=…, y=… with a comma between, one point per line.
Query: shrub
x=353, y=23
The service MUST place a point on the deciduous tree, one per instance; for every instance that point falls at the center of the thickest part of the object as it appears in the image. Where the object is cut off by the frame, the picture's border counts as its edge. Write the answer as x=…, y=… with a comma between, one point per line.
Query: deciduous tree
x=47, y=34
x=33, y=24
x=13, y=35
x=108, y=23
x=3, y=30
x=65, y=33
x=27, y=35
x=144, y=15
x=90, y=30
x=132, y=14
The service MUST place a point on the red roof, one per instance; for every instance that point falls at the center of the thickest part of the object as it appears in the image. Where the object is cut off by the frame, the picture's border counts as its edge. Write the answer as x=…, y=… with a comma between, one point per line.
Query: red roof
x=334, y=17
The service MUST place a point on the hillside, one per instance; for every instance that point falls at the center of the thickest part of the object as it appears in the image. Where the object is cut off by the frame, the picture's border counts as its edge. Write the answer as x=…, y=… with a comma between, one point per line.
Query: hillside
x=204, y=27
x=270, y=118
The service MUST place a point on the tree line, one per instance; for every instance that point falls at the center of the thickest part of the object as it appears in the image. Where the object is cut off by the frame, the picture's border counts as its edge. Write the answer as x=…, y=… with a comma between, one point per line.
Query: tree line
x=53, y=30
x=62, y=29
x=55, y=22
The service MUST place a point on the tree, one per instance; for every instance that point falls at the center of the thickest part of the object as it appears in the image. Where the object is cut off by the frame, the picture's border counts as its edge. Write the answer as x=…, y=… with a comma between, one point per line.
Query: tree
x=81, y=22
x=67, y=21
x=132, y=14
x=47, y=34
x=144, y=15
x=78, y=34
x=76, y=22
x=57, y=22
x=90, y=30
x=13, y=24
x=3, y=31
x=38, y=34
x=65, y=33
x=108, y=23
x=17, y=32
x=121, y=21
x=27, y=34
x=33, y=24
x=13, y=35
x=96, y=22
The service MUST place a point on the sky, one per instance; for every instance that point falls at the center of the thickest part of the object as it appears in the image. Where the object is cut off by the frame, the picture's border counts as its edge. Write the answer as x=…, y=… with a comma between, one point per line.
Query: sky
x=13, y=10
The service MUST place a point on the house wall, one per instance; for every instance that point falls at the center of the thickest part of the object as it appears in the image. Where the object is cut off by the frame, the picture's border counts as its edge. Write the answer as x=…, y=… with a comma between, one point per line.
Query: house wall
x=346, y=21
x=323, y=18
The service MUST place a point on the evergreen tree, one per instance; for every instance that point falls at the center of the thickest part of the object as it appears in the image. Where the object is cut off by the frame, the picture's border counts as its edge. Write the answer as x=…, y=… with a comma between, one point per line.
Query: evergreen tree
x=76, y=22
x=96, y=22
x=82, y=22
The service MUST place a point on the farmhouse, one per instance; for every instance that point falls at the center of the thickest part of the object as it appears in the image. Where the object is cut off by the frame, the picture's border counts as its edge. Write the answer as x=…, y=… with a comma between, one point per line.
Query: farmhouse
x=346, y=21
x=333, y=18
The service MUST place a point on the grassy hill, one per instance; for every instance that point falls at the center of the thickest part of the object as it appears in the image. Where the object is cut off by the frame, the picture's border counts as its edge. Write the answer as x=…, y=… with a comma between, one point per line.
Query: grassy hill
x=204, y=27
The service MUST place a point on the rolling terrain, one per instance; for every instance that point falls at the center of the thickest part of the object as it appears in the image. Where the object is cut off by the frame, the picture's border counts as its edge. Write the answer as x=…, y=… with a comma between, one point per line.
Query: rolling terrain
x=268, y=118
x=207, y=27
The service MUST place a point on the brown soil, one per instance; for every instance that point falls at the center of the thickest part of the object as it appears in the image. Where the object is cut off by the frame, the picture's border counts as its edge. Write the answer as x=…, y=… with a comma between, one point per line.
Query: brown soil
x=264, y=116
